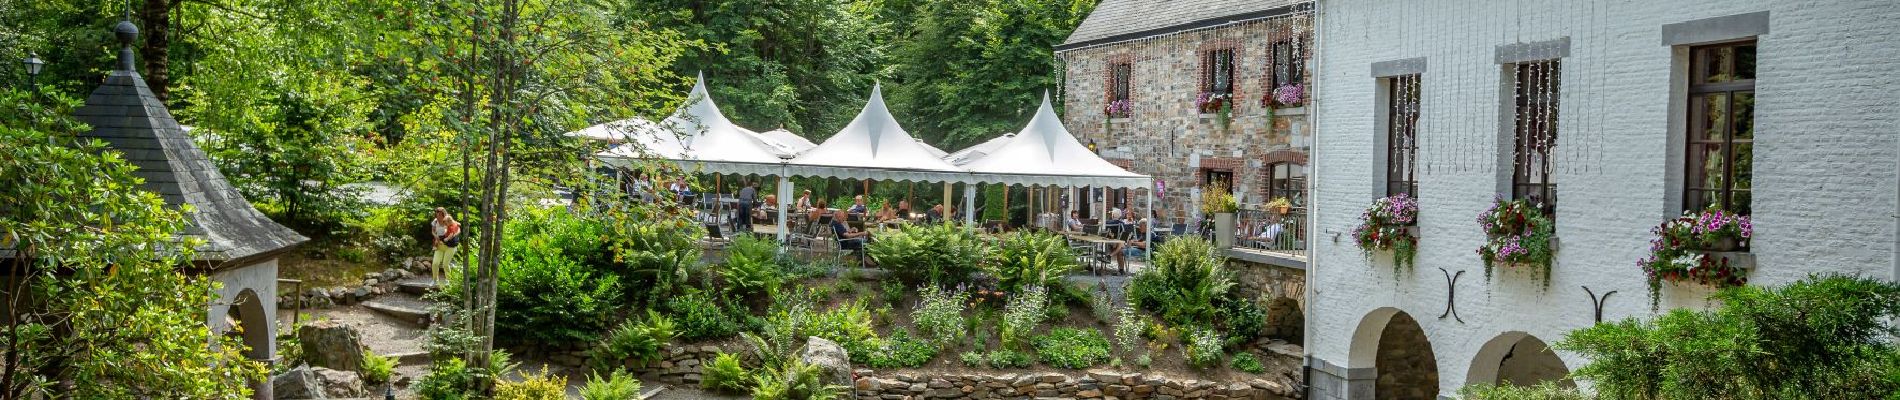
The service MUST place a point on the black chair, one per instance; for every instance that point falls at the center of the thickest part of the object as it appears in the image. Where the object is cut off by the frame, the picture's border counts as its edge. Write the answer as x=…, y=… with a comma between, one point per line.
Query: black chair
x=854, y=246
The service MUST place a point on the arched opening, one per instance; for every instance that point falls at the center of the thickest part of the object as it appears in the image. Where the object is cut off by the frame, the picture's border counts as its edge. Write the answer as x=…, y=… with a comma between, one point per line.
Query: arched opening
x=1400, y=354
x=249, y=320
x=1517, y=358
x=1285, y=321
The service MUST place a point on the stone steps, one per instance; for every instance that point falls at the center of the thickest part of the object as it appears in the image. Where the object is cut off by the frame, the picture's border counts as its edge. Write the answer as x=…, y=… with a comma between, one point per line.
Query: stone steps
x=416, y=286
x=403, y=308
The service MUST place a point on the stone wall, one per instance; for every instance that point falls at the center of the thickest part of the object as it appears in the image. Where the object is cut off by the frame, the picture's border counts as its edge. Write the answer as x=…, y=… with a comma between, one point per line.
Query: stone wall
x=1278, y=290
x=1094, y=384
x=1165, y=134
x=680, y=364
x=1407, y=369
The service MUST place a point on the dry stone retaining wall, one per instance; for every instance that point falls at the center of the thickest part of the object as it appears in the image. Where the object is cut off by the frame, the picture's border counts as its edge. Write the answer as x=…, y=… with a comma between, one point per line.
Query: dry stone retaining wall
x=1095, y=384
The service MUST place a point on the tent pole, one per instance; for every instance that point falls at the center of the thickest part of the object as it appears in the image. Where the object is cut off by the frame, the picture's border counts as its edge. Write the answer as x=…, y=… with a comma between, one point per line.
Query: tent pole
x=1150, y=254
x=784, y=194
x=969, y=204
x=946, y=198
x=1005, y=204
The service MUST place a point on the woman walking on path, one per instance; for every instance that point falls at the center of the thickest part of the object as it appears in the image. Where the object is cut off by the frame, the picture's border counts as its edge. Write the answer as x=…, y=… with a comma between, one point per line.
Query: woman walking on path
x=448, y=235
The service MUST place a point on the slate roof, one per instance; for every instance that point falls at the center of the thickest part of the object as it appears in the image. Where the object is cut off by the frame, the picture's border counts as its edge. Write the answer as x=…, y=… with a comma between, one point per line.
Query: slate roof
x=124, y=113
x=1117, y=20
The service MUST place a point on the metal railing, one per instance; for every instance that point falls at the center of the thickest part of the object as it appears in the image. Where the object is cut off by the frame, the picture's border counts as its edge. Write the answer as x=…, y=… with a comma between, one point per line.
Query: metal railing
x=1272, y=231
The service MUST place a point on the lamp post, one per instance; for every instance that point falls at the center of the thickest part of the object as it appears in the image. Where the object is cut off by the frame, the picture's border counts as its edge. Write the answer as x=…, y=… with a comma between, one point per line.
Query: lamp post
x=33, y=66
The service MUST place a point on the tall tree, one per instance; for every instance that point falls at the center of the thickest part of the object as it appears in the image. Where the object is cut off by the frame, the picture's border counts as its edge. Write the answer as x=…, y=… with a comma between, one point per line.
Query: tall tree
x=967, y=71
x=156, y=18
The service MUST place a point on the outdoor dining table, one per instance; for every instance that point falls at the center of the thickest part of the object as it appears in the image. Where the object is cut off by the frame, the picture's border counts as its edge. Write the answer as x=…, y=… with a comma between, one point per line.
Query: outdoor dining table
x=1101, y=245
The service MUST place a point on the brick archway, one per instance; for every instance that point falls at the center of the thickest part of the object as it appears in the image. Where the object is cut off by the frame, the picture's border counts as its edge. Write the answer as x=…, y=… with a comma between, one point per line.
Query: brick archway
x=1393, y=344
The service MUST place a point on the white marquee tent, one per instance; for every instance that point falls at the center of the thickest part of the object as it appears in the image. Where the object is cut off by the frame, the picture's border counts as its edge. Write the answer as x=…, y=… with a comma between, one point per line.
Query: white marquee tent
x=1045, y=154
x=699, y=137
x=874, y=146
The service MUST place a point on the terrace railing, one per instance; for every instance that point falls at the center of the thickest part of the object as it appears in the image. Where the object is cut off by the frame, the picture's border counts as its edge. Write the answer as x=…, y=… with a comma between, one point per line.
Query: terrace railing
x=1267, y=230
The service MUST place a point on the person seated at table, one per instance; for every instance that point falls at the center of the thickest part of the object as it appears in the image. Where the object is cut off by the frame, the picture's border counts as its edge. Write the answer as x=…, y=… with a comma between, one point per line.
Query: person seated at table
x=1135, y=248
x=819, y=211
x=848, y=233
x=1267, y=234
x=903, y=209
x=885, y=213
x=1074, y=224
x=935, y=214
x=857, y=204
x=804, y=201
x=764, y=211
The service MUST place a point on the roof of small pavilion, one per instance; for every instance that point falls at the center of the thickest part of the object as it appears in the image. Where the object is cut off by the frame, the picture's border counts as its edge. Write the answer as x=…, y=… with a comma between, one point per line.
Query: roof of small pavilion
x=125, y=114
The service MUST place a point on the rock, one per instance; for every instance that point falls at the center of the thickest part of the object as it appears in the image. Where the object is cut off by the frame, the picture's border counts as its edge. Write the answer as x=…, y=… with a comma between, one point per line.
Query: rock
x=361, y=292
x=372, y=281
x=340, y=384
x=332, y=345
x=829, y=358
x=1287, y=349
x=297, y=383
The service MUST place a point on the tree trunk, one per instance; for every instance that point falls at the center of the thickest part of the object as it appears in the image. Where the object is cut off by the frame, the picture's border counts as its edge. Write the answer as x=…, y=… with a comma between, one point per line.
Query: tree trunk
x=157, y=24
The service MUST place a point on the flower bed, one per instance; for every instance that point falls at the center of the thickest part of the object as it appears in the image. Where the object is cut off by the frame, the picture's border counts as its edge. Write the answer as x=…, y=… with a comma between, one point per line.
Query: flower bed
x=1390, y=224
x=1703, y=247
x=1518, y=233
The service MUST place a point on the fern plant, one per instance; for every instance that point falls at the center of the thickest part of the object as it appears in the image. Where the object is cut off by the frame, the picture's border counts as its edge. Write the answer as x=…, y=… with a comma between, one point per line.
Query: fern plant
x=726, y=374
x=751, y=267
x=1188, y=279
x=1025, y=259
x=929, y=253
x=617, y=386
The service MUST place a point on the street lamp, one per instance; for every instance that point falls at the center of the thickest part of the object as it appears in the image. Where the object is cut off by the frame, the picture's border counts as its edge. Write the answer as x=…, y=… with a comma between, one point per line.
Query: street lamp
x=33, y=65
x=1092, y=146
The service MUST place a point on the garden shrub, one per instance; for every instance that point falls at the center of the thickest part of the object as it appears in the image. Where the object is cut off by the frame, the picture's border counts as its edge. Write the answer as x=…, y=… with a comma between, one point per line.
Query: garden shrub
x=939, y=313
x=898, y=351
x=751, y=269
x=929, y=253
x=1188, y=280
x=795, y=380
x=447, y=380
x=1542, y=391
x=703, y=315
x=1025, y=259
x=639, y=340
x=1025, y=310
x=1246, y=362
x=617, y=386
x=1006, y=358
x=533, y=386
x=376, y=369
x=1129, y=325
x=1204, y=348
x=389, y=233
x=655, y=249
x=1244, y=321
x=1823, y=337
x=971, y=358
x=725, y=374
x=893, y=292
x=849, y=325
x=1072, y=348
x=545, y=292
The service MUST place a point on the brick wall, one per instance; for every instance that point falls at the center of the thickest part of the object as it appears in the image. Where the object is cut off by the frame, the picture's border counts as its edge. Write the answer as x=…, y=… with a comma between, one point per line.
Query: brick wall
x=1824, y=161
x=1166, y=136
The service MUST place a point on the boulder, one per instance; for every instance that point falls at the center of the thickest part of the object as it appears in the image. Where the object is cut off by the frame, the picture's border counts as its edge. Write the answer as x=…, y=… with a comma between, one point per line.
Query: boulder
x=340, y=384
x=297, y=383
x=332, y=345
x=830, y=358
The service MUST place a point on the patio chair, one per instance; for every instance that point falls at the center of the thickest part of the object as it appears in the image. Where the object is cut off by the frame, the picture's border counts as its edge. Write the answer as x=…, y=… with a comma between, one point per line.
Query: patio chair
x=714, y=240
x=854, y=247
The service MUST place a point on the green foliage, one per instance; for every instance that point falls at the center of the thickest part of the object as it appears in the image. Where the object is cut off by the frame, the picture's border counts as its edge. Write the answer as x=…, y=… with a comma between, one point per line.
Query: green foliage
x=533, y=386
x=725, y=374
x=1129, y=325
x=1824, y=337
x=376, y=369
x=969, y=69
x=1204, y=348
x=655, y=248
x=1026, y=259
x=751, y=268
x=639, y=340
x=74, y=209
x=1144, y=360
x=617, y=386
x=994, y=196
x=1246, y=362
x=1542, y=391
x=794, y=380
x=893, y=292
x=1072, y=348
x=447, y=380
x=1188, y=280
x=897, y=351
x=971, y=358
x=703, y=315
x=939, y=313
x=1026, y=310
x=546, y=292
x=1006, y=359
x=1243, y=319
x=297, y=158
x=939, y=254
x=1518, y=232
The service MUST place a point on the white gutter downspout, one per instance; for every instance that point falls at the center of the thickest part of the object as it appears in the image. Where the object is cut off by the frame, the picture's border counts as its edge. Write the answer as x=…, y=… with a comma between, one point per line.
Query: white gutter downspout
x=1314, y=157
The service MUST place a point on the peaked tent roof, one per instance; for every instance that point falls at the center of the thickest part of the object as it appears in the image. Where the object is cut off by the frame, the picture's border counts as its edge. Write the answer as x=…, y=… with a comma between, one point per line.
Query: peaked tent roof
x=1044, y=153
x=698, y=135
x=980, y=150
x=873, y=146
x=786, y=143
x=124, y=114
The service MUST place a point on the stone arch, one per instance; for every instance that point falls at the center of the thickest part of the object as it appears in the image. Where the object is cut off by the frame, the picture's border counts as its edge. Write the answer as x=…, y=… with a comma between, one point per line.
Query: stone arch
x=1517, y=358
x=1394, y=345
x=1285, y=320
x=248, y=318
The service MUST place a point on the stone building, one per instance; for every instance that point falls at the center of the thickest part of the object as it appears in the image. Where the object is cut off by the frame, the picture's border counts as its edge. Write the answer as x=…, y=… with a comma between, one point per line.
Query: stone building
x=1134, y=77
x=1618, y=115
x=240, y=245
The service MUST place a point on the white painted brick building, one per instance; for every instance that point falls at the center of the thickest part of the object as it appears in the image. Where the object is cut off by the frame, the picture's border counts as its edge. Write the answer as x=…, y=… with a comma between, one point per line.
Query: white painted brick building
x=1826, y=166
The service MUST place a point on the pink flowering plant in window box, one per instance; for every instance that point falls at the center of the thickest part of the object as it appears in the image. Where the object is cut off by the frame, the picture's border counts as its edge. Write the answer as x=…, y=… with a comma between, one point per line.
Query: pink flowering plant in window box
x=1288, y=95
x=1390, y=224
x=1518, y=234
x=1118, y=108
x=1698, y=247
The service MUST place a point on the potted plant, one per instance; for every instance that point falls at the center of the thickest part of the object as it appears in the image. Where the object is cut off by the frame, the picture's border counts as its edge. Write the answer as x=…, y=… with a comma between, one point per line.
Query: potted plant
x=1220, y=203
x=1705, y=247
x=1280, y=205
x=1518, y=233
x=1390, y=224
x=1115, y=109
x=1217, y=104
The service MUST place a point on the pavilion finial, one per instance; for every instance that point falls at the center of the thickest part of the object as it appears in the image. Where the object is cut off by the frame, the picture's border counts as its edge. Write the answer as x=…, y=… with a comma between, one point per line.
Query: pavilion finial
x=127, y=33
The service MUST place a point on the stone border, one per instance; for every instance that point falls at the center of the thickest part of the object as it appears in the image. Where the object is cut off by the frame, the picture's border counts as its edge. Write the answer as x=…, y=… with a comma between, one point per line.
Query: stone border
x=1094, y=384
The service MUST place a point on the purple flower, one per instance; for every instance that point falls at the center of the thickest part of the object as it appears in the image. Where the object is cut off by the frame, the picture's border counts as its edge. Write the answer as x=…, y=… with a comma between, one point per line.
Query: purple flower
x=1290, y=94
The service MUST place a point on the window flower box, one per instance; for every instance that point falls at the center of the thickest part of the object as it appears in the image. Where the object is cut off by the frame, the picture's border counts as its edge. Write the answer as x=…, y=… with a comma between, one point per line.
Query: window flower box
x=1285, y=96
x=1390, y=224
x=1707, y=247
x=1519, y=234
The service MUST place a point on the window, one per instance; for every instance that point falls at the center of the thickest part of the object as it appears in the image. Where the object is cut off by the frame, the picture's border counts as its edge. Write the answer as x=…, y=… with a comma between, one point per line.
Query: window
x=1223, y=178
x=1536, y=131
x=1286, y=179
x=1118, y=76
x=1289, y=64
x=1719, y=170
x=1217, y=72
x=1401, y=136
